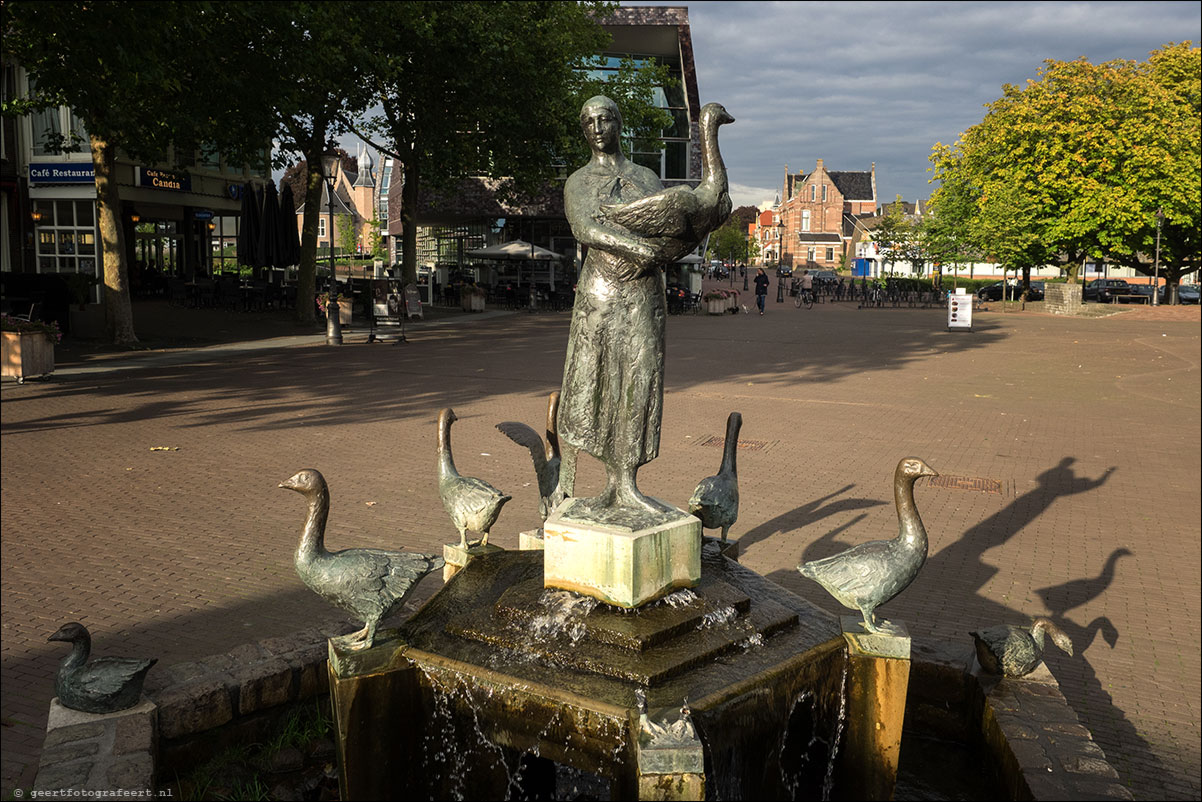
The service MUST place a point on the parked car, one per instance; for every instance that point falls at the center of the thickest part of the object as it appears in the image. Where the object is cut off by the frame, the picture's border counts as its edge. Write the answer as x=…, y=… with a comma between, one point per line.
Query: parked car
x=994, y=291
x=1186, y=293
x=1104, y=290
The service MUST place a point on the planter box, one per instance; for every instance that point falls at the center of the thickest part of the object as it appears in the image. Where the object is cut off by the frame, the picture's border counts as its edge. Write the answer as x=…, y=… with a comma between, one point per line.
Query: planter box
x=27, y=354
x=716, y=307
x=472, y=303
x=87, y=321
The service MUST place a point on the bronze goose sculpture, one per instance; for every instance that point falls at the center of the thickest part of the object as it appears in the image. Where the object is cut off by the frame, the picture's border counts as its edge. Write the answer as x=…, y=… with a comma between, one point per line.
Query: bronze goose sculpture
x=1015, y=652
x=546, y=456
x=681, y=212
x=370, y=584
x=472, y=503
x=105, y=685
x=716, y=499
x=866, y=576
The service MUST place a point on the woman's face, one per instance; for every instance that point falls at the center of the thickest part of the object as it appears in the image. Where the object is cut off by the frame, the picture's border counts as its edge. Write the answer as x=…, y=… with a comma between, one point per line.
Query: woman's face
x=602, y=128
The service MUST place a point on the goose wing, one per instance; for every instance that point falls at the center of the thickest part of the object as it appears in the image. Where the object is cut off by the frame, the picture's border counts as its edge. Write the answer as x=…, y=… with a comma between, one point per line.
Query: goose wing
x=108, y=676
x=850, y=575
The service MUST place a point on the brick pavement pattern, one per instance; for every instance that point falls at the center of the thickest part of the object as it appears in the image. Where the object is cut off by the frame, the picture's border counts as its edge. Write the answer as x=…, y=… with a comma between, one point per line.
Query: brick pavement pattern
x=1083, y=435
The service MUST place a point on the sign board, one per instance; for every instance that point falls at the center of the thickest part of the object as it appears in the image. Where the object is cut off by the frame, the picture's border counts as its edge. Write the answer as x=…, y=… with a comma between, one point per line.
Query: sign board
x=413, y=302
x=387, y=322
x=959, y=310
x=202, y=214
x=62, y=173
x=163, y=179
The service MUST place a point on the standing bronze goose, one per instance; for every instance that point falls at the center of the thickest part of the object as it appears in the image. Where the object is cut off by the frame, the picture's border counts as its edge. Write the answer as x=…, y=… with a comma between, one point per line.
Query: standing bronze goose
x=105, y=685
x=370, y=584
x=716, y=499
x=1013, y=651
x=681, y=212
x=866, y=576
x=472, y=503
x=546, y=456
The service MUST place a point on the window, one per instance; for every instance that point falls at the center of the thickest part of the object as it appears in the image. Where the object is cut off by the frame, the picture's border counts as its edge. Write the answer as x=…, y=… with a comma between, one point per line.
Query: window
x=809, y=254
x=321, y=227
x=805, y=220
x=813, y=191
x=668, y=155
x=66, y=237
x=824, y=193
x=830, y=254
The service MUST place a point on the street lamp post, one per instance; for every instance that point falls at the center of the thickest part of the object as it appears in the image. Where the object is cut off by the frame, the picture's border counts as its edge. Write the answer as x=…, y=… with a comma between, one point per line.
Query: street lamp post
x=329, y=163
x=1156, y=262
x=780, y=260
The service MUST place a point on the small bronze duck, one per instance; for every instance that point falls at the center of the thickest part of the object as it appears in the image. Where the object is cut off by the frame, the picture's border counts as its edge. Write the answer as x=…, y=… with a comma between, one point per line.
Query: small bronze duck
x=716, y=499
x=1015, y=652
x=866, y=576
x=472, y=503
x=546, y=457
x=370, y=584
x=105, y=685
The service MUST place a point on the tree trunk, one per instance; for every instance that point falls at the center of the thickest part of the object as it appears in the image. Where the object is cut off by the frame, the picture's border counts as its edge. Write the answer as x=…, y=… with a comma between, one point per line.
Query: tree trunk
x=118, y=312
x=306, y=280
x=409, y=223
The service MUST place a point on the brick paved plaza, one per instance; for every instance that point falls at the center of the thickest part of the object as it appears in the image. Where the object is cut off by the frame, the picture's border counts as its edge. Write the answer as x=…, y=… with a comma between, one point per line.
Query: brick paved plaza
x=1083, y=432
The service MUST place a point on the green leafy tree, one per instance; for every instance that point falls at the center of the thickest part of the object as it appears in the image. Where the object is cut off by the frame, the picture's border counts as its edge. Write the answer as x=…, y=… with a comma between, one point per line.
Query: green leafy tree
x=145, y=77
x=315, y=57
x=1088, y=154
x=892, y=233
x=490, y=89
x=348, y=235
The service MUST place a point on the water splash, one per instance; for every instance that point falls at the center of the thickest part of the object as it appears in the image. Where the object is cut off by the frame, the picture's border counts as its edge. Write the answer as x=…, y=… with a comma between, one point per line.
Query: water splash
x=680, y=598
x=719, y=616
x=754, y=642
x=563, y=614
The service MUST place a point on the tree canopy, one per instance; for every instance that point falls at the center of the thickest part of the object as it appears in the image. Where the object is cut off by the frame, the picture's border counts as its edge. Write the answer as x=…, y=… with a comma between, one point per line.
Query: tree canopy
x=1078, y=162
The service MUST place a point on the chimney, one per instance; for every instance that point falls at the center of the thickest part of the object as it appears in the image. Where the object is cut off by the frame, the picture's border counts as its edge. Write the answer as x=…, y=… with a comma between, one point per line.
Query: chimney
x=819, y=167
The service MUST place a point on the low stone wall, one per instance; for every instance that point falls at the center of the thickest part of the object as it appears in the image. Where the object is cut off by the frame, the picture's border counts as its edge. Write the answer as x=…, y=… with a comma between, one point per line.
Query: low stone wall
x=1062, y=299
x=196, y=709
x=190, y=712
x=1035, y=741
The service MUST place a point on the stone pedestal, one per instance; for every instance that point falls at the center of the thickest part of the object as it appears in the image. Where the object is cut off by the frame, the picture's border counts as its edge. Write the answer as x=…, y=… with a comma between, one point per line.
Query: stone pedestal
x=878, y=673
x=376, y=700
x=530, y=541
x=90, y=754
x=624, y=561
x=456, y=557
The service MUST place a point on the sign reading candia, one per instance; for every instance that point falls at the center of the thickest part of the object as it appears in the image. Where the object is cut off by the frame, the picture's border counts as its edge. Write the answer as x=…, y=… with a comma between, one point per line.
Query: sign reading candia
x=162, y=179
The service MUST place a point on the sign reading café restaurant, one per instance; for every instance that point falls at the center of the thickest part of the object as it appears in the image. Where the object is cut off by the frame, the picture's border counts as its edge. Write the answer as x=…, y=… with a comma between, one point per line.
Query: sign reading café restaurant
x=162, y=179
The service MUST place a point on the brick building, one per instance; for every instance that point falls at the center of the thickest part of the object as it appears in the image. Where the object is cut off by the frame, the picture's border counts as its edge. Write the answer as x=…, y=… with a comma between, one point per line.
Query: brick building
x=818, y=210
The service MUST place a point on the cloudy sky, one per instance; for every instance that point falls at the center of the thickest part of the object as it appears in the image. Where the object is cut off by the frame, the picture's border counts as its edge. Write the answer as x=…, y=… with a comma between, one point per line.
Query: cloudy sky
x=859, y=82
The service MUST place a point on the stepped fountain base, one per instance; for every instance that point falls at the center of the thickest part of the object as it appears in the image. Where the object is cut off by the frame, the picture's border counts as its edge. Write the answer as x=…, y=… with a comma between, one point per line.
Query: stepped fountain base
x=490, y=688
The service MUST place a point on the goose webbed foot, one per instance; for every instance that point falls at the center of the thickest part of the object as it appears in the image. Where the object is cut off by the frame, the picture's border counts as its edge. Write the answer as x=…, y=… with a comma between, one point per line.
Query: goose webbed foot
x=725, y=529
x=358, y=641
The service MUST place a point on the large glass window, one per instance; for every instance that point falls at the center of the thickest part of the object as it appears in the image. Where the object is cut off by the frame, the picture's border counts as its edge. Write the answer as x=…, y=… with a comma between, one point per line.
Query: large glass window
x=66, y=237
x=805, y=220
x=668, y=156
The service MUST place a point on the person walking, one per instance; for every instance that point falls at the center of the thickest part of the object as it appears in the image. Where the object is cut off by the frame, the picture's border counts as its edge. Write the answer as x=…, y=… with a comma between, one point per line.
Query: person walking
x=761, y=289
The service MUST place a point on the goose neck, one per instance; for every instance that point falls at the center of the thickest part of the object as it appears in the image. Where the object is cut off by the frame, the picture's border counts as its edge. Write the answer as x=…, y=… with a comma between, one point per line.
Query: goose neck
x=313, y=536
x=713, y=170
x=80, y=649
x=445, y=463
x=912, y=531
x=730, y=449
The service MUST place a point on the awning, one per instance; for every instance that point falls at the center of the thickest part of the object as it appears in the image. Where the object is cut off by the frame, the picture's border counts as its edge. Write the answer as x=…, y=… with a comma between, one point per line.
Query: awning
x=517, y=249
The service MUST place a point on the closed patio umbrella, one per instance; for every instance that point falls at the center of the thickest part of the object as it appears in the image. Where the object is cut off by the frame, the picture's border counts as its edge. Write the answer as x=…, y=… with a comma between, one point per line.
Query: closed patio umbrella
x=248, y=227
x=289, y=239
x=269, y=225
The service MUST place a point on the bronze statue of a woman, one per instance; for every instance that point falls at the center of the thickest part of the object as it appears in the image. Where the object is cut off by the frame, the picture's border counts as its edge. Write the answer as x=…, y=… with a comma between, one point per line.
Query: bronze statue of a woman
x=613, y=382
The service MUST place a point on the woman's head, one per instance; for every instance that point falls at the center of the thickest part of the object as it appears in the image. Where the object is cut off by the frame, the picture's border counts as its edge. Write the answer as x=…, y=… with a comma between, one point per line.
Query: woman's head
x=601, y=122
